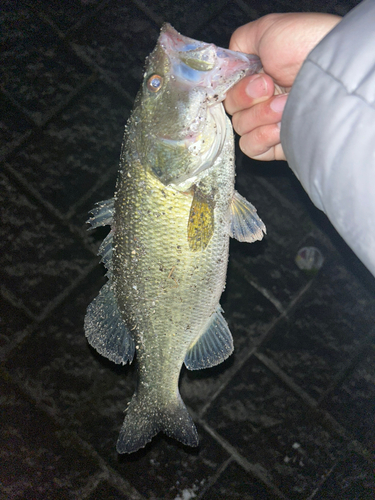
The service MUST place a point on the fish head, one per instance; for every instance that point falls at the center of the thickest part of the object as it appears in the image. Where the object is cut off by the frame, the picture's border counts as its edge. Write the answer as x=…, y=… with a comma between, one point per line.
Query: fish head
x=179, y=117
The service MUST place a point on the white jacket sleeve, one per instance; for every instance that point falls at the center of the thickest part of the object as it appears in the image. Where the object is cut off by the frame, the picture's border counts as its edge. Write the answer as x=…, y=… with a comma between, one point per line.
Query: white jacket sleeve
x=328, y=129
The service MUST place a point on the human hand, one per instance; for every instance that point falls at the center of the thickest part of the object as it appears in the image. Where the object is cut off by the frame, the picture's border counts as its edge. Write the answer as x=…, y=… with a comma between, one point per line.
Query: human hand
x=256, y=103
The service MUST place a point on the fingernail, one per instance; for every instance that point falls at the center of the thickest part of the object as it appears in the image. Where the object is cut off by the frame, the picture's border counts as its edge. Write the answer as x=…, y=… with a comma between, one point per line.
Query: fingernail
x=278, y=103
x=257, y=87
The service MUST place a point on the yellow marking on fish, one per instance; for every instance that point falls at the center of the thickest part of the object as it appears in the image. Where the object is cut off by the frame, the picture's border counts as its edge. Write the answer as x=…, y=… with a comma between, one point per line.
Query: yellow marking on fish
x=201, y=222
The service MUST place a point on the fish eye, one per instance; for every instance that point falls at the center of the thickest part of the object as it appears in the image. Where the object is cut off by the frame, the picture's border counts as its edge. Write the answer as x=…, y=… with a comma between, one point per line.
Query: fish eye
x=154, y=83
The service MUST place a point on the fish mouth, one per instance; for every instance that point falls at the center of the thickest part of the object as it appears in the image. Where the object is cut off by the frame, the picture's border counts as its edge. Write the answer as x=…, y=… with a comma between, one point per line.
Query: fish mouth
x=201, y=64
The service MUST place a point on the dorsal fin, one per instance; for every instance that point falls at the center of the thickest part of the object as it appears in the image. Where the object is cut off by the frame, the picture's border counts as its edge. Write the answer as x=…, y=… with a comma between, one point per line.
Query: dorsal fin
x=213, y=346
x=102, y=213
x=105, y=329
x=245, y=223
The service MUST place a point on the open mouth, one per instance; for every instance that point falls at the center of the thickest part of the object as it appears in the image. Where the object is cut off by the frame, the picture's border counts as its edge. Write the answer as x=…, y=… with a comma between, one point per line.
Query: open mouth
x=205, y=65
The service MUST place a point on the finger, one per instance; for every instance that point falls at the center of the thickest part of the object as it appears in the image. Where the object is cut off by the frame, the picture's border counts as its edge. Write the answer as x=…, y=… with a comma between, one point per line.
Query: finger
x=246, y=38
x=264, y=113
x=274, y=153
x=249, y=91
x=258, y=142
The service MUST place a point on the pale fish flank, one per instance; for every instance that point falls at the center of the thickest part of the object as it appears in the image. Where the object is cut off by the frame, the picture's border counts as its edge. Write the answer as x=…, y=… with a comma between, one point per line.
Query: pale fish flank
x=171, y=217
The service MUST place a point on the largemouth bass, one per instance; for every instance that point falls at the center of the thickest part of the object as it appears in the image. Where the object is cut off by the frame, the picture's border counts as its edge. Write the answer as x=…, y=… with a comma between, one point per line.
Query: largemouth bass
x=171, y=217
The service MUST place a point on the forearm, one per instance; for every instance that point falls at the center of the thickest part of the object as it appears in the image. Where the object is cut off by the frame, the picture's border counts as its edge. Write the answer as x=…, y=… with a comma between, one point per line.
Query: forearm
x=328, y=129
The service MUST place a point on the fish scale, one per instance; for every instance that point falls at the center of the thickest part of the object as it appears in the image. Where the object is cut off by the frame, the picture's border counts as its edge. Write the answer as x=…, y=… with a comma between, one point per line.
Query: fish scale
x=174, y=210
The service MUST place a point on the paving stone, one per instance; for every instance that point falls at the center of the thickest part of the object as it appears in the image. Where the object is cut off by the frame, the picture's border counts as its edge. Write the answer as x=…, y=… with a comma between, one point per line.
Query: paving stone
x=234, y=483
x=34, y=463
x=13, y=125
x=270, y=6
x=353, y=402
x=179, y=14
x=117, y=40
x=274, y=431
x=324, y=331
x=340, y=8
x=219, y=29
x=13, y=322
x=351, y=479
x=66, y=15
x=105, y=490
x=38, y=70
x=39, y=256
x=76, y=148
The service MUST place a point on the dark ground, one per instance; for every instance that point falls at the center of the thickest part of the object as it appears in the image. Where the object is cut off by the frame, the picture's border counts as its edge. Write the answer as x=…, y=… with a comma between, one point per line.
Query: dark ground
x=290, y=414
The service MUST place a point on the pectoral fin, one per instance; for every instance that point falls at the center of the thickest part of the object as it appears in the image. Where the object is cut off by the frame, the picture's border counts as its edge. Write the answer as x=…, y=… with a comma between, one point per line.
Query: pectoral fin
x=245, y=223
x=201, y=222
x=105, y=329
x=213, y=346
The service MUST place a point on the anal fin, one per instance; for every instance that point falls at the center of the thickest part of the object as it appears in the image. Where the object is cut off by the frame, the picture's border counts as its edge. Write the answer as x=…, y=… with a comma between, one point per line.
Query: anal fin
x=214, y=345
x=105, y=329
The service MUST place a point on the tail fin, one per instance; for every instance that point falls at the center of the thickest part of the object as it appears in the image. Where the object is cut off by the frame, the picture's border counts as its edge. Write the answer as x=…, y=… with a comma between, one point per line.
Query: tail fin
x=144, y=420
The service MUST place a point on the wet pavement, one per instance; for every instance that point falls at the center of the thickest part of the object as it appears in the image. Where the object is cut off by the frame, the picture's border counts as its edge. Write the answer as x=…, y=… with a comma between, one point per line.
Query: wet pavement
x=290, y=415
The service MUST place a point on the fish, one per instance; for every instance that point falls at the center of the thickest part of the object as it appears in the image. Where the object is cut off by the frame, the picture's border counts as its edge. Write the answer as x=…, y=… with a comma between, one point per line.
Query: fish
x=174, y=210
